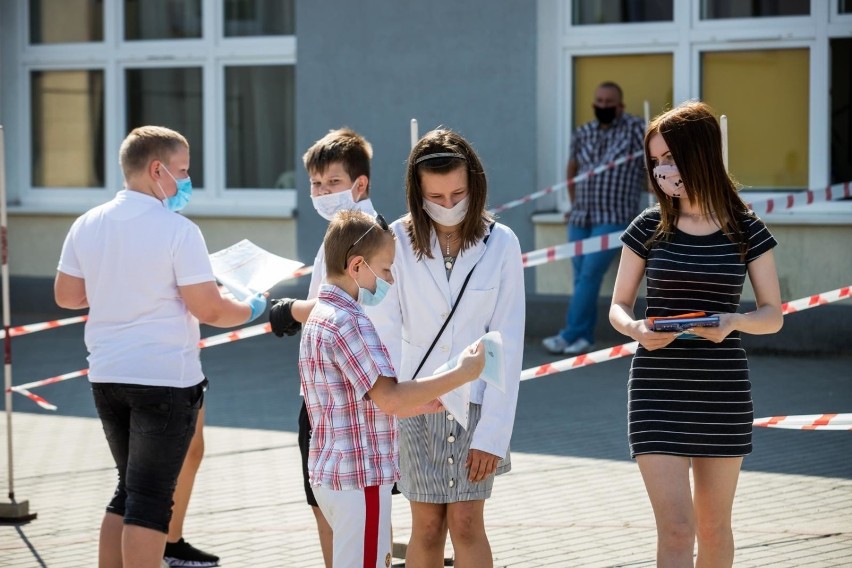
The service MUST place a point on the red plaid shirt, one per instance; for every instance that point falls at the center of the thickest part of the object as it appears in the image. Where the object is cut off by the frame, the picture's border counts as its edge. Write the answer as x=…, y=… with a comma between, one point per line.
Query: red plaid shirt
x=354, y=444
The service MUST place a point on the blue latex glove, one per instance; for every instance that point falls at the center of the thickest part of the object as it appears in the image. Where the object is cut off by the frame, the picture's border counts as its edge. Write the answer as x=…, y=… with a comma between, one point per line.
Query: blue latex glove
x=257, y=303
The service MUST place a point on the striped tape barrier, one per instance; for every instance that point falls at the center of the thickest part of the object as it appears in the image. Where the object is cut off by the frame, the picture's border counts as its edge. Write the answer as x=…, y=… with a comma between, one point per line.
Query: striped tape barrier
x=626, y=349
x=578, y=178
x=807, y=422
x=34, y=327
x=613, y=240
x=556, y=252
x=547, y=369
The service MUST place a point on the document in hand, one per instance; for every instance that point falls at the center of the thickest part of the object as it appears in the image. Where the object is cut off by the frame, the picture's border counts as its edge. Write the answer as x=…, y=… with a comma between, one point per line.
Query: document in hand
x=245, y=268
x=457, y=402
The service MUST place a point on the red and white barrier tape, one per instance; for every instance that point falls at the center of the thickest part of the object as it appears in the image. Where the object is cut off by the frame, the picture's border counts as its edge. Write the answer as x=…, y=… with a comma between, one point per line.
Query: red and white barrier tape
x=809, y=197
x=613, y=240
x=619, y=351
x=572, y=249
x=34, y=327
x=807, y=422
x=578, y=178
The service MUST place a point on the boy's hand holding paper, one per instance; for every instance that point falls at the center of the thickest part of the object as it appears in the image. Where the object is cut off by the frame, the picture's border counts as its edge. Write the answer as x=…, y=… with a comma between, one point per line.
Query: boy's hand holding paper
x=490, y=348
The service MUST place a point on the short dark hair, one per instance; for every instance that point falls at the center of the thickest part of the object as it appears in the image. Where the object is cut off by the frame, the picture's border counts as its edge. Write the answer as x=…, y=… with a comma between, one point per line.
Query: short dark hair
x=147, y=143
x=613, y=85
x=352, y=233
x=442, y=151
x=344, y=146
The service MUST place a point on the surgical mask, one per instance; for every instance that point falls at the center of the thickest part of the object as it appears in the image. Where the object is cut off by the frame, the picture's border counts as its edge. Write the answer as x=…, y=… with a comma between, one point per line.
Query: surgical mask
x=328, y=205
x=181, y=198
x=668, y=178
x=605, y=115
x=447, y=217
x=367, y=298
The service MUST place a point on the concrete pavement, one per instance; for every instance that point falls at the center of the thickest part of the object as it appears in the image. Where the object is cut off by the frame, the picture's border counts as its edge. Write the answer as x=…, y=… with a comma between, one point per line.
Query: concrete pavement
x=574, y=497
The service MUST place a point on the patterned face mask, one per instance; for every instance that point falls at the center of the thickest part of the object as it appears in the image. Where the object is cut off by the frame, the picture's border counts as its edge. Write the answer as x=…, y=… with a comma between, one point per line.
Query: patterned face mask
x=668, y=178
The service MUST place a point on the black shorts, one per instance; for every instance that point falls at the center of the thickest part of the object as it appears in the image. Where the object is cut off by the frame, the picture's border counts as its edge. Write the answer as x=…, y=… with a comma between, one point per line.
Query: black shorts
x=304, y=445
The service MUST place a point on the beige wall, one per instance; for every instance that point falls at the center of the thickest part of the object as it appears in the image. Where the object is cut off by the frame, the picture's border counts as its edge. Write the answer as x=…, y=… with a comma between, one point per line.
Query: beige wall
x=810, y=259
x=35, y=241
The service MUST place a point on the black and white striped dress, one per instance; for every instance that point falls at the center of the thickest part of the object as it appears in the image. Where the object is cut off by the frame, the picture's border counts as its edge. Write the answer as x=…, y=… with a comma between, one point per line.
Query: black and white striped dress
x=693, y=397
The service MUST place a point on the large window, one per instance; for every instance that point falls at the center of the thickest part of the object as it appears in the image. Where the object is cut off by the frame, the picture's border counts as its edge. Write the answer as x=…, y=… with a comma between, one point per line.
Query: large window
x=841, y=110
x=221, y=72
x=67, y=114
x=631, y=73
x=162, y=19
x=169, y=97
x=721, y=9
x=66, y=21
x=259, y=126
x=764, y=94
x=620, y=12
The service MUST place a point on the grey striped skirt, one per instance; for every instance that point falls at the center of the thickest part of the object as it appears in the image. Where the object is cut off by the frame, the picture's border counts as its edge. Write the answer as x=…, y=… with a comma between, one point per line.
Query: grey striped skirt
x=433, y=451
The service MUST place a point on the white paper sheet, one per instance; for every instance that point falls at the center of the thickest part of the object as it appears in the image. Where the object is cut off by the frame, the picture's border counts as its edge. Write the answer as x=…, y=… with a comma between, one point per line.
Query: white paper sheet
x=457, y=402
x=245, y=268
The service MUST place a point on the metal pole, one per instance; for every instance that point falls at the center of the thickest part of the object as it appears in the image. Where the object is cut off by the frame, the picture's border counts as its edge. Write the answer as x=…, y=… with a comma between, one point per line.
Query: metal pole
x=414, y=136
x=13, y=511
x=723, y=125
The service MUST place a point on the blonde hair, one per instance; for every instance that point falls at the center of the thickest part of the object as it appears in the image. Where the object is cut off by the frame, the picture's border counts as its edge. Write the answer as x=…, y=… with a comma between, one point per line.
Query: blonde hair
x=147, y=143
x=352, y=233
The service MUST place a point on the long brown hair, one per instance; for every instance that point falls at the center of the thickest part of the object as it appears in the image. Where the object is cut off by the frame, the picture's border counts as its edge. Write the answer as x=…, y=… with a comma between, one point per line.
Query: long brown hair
x=695, y=141
x=458, y=154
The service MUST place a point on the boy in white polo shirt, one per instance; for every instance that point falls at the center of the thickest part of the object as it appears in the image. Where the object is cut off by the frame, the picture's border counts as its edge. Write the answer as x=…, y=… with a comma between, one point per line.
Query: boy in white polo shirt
x=143, y=272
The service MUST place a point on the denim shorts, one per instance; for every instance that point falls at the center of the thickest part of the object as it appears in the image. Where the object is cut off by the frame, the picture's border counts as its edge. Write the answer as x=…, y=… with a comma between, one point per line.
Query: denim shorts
x=148, y=430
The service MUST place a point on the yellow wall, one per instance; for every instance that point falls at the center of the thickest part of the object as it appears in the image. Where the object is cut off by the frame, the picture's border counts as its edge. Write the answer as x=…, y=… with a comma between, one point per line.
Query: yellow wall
x=810, y=259
x=35, y=242
x=765, y=97
x=641, y=77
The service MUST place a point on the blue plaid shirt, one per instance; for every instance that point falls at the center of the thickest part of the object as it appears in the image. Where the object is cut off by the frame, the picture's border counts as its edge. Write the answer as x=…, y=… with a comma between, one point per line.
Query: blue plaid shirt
x=611, y=197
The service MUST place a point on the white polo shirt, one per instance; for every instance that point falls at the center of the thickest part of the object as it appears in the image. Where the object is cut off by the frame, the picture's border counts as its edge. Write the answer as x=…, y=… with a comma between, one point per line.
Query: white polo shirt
x=133, y=253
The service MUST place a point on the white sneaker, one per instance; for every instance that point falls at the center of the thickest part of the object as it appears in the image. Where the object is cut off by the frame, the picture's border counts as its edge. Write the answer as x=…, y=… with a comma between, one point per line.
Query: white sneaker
x=555, y=344
x=580, y=345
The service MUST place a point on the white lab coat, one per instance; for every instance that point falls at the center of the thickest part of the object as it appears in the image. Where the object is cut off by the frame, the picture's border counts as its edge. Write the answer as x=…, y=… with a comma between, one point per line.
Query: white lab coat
x=421, y=299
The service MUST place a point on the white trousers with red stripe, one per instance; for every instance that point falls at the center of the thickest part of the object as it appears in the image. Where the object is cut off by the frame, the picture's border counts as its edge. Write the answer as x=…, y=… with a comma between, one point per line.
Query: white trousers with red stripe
x=361, y=521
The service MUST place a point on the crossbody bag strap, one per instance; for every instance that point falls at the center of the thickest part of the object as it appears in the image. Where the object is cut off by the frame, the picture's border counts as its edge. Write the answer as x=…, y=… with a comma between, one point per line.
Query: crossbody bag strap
x=449, y=317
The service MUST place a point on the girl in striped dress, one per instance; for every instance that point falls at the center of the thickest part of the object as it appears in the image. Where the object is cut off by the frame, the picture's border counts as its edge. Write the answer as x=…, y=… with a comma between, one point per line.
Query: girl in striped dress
x=689, y=395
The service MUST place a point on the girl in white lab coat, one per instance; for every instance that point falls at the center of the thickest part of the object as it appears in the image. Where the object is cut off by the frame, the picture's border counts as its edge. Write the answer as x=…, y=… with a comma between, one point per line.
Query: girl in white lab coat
x=447, y=471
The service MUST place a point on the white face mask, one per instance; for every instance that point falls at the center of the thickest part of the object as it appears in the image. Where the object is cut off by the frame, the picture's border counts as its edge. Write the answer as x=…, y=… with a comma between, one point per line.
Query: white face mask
x=668, y=178
x=328, y=205
x=444, y=216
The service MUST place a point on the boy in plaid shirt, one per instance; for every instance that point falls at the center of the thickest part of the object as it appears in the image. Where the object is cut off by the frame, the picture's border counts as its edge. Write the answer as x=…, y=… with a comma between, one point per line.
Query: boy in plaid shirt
x=352, y=394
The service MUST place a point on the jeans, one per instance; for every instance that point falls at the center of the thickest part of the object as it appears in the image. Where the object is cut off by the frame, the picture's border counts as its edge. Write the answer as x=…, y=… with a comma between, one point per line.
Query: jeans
x=589, y=270
x=148, y=430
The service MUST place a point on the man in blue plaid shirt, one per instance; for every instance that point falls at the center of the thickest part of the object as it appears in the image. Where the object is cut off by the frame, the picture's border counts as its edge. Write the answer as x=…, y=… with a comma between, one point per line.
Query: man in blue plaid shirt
x=604, y=203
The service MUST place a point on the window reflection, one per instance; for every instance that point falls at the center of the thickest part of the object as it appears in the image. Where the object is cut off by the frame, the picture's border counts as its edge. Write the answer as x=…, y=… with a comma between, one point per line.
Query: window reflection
x=66, y=21
x=260, y=126
x=259, y=17
x=172, y=98
x=621, y=11
x=719, y=9
x=67, y=113
x=768, y=144
x=162, y=19
x=841, y=110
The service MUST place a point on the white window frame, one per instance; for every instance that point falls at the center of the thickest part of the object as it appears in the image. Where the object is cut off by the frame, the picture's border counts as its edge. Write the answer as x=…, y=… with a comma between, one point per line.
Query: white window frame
x=114, y=55
x=686, y=37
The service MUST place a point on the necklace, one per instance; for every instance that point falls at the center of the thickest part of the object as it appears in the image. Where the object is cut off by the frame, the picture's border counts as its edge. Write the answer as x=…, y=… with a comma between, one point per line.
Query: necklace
x=449, y=260
x=697, y=216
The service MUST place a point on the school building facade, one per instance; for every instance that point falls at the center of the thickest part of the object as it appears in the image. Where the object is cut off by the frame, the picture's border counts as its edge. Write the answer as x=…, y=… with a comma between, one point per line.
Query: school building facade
x=252, y=83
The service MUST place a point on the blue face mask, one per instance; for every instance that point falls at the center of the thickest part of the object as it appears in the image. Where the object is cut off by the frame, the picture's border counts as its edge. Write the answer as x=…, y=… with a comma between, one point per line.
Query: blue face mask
x=184, y=191
x=367, y=298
